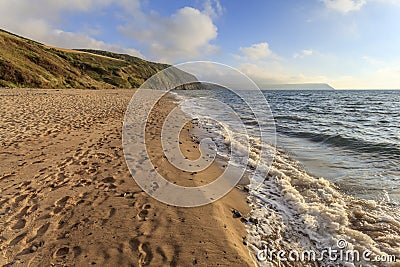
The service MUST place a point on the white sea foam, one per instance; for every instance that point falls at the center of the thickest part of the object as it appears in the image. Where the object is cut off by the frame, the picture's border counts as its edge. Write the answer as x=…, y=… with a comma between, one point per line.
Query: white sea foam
x=298, y=211
x=293, y=210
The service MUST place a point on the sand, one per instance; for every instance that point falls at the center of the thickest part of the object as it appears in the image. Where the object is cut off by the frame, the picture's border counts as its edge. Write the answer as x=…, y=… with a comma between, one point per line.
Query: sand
x=67, y=197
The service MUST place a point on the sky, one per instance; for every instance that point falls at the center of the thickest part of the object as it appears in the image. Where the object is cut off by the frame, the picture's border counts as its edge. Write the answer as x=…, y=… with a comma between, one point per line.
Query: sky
x=349, y=44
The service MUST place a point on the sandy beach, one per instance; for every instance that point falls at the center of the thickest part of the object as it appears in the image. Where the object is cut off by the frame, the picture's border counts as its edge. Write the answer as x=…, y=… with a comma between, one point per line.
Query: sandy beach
x=67, y=197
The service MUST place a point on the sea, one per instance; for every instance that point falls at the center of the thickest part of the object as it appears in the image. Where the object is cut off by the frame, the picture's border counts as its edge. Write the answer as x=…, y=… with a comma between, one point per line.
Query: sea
x=334, y=180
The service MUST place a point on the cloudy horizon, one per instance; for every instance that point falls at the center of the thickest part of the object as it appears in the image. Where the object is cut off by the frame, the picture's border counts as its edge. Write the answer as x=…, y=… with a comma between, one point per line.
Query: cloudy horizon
x=349, y=44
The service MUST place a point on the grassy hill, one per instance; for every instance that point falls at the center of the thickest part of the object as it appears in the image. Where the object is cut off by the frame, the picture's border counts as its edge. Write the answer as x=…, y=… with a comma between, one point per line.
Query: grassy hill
x=26, y=63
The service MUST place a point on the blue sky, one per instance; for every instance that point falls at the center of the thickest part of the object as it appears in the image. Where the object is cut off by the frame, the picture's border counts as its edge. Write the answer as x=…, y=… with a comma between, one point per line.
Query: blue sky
x=346, y=43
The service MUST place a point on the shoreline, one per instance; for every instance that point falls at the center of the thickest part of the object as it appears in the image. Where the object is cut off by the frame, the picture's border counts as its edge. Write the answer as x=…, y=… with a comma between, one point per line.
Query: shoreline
x=67, y=197
x=225, y=233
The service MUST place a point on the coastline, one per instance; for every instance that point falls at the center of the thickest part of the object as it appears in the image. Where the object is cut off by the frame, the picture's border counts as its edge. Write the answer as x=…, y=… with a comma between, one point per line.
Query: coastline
x=296, y=209
x=67, y=197
x=213, y=225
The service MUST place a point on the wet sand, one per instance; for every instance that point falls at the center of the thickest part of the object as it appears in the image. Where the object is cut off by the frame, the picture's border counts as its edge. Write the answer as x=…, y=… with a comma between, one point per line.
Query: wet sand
x=67, y=197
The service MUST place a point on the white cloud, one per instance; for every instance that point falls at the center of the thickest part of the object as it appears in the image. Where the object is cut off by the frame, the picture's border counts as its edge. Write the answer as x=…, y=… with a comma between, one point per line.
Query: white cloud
x=186, y=34
x=261, y=75
x=81, y=40
x=272, y=73
x=264, y=74
x=48, y=10
x=256, y=51
x=213, y=8
x=345, y=6
x=391, y=2
x=381, y=78
x=39, y=21
x=304, y=53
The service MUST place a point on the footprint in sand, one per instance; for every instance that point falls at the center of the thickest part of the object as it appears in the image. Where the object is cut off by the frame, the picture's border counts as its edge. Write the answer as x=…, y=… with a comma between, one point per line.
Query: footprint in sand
x=22, y=164
x=62, y=252
x=23, y=185
x=110, y=215
x=32, y=209
x=161, y=252
x=142, y=250
x=142, y=215
x=37, y=162
x=3, y=201
x=21, y=198
x=23, y=212
x=43, y=217
x=61, y=177
x=31, y=249
x=18, y=239
x=60, y=204
x=109, y=182
x=40, y=232
x=77, y=251
x=19, y=224
x=7, y=176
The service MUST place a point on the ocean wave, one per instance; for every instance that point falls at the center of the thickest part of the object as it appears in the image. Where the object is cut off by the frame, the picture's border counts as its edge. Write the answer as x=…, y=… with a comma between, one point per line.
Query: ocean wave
x=291, y=118
x=338, y=140
x=293, y=210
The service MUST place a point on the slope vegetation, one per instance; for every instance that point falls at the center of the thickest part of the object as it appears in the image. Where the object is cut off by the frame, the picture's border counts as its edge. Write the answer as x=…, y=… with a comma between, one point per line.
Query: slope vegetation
x=26, y=63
